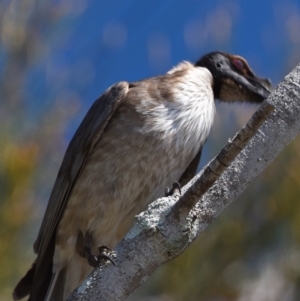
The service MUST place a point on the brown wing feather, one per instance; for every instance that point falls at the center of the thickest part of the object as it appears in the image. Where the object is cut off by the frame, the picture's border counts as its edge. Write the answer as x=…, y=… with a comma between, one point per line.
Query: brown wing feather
x=88, y=133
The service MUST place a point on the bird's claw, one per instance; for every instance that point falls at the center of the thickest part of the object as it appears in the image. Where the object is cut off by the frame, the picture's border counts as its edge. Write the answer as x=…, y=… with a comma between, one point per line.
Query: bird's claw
x=105, y=254
x=176, y=189
x=93, y=261
x=84, y=248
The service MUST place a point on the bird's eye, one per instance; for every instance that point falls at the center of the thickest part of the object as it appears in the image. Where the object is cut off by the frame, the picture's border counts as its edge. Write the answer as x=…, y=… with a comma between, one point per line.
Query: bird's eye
x=239, y=64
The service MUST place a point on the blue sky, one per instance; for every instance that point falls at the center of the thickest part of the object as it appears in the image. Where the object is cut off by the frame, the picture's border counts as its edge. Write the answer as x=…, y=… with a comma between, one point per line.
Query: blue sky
x=93, y=44
x=184, y=29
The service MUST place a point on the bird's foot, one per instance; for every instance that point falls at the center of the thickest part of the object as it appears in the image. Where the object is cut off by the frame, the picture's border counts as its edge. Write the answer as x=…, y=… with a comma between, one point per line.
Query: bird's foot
x=175, y=190
x=84, y=248
x=105, y=254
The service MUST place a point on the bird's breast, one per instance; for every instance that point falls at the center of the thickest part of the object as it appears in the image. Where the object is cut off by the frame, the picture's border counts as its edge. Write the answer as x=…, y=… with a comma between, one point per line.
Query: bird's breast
x=145, y=147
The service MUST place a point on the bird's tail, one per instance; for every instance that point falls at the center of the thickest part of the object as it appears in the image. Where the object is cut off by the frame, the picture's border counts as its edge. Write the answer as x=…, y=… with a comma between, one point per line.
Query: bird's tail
x=55, y=291
x=65, y=280
x=56, y=288
x=23, y=288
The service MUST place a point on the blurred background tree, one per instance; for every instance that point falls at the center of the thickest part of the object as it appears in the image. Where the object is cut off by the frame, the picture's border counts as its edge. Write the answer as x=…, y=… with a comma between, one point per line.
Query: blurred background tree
x=57, y=56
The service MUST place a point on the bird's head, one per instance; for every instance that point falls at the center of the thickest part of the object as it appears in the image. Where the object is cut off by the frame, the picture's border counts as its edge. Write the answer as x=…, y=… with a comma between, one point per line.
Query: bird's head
x=233, y=78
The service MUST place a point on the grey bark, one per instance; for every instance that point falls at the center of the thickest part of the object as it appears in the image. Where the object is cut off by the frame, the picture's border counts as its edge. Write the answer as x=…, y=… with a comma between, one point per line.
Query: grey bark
x=169, y=225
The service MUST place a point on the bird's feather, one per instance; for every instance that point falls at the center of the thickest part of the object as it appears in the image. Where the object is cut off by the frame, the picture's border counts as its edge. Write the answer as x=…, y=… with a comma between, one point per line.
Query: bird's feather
x=88, y=133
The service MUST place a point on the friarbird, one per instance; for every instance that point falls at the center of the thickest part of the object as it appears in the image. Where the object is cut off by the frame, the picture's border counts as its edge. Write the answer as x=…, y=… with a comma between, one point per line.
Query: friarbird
x=136, y=139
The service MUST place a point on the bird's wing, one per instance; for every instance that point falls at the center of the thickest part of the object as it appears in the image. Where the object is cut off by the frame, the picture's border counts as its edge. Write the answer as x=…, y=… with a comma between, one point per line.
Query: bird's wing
x=88, y=133
x=191, y=170
x=84, y=139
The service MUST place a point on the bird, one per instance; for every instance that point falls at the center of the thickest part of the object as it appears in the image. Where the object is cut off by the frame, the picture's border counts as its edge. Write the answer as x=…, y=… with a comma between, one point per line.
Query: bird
x=136, y=139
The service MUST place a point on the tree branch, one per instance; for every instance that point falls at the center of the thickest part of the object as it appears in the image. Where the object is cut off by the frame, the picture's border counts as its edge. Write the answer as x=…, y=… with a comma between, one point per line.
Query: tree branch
x=218, y=165
x=169, y=225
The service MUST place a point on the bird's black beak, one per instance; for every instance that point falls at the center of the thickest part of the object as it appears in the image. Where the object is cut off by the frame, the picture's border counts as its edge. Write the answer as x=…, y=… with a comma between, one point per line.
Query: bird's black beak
x=237, y=87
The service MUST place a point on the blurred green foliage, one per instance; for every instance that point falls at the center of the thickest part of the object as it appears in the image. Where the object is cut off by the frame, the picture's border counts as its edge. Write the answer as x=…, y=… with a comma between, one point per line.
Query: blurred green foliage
x=22, y=151
x=18, y=163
